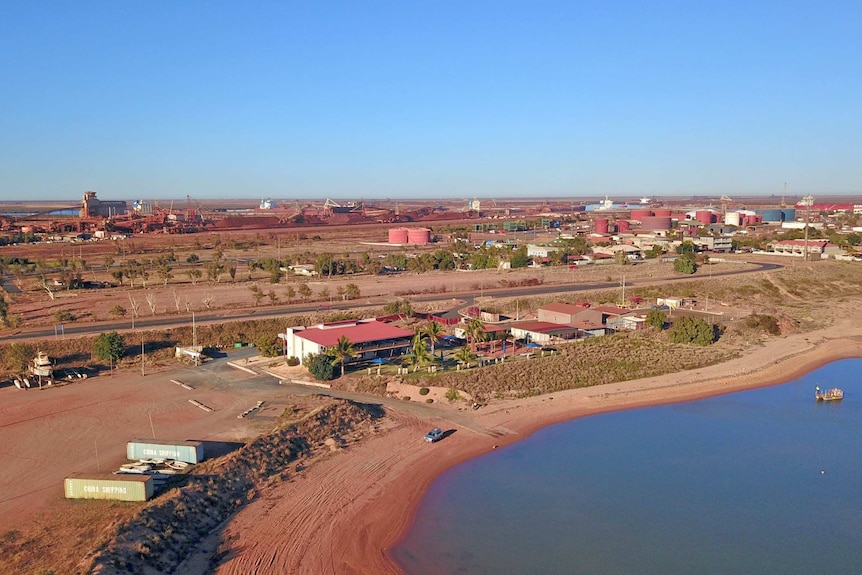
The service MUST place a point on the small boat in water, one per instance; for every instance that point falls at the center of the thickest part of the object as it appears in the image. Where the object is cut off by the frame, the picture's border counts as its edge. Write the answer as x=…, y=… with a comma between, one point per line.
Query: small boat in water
x=833, y=394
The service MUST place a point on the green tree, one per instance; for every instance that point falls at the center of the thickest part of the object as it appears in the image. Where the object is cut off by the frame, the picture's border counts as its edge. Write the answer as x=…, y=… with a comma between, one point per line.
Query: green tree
x=464, y=356
x=656, y=319
x=400, y=306
x=341, y=352
x=686, y=247
x=109, y=346
x=351, y=291
x=434, y=331
x=304, y=291
x=685, y=264
x=267, y=346
x=420, y=354
x=17, y=357
x=654, y=252
x=519, y=258
x=475, y=331
x=4, y=311
x=692, y=330
x=320, y=366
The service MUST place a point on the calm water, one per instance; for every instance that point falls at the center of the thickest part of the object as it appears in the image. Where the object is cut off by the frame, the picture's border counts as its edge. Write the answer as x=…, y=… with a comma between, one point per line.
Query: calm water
x=728, y=485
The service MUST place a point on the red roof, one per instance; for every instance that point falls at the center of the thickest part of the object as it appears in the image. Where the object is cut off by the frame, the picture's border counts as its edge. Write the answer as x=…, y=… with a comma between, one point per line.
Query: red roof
x=361, y=332
x=611, y=309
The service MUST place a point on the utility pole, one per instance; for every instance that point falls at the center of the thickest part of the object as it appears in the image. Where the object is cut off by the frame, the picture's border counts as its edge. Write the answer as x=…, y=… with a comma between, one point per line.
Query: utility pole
x=142, y=353
x=623, y=284
x=808, y=201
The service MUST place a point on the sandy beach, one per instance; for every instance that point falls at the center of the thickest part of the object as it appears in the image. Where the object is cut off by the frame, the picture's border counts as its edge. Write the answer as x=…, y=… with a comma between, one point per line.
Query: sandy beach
x=344, y=512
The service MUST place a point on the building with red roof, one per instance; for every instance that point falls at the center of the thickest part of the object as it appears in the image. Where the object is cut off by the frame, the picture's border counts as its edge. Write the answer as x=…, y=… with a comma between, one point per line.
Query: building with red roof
x=371, y=339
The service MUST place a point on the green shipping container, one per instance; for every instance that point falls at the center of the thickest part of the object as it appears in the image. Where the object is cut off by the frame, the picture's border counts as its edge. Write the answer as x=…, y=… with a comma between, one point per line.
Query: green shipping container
x=188, y=451
x=125, y=487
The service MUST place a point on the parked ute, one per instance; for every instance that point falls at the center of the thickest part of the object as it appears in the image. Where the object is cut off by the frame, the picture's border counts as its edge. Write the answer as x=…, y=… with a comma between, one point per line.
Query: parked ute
x=435, y=434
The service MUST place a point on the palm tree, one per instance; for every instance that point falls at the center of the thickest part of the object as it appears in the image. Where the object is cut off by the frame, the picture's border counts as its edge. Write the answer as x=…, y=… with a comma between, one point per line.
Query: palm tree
x=475, y=331
x=420, y=355
x=464, y=356
x=342, y=351
x=434, y=331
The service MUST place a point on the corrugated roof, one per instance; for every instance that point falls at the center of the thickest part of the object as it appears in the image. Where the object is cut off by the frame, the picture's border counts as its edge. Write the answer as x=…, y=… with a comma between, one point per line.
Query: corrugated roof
x=611, y=309
x=586, y=325
x=355, y=332
x=541, y=326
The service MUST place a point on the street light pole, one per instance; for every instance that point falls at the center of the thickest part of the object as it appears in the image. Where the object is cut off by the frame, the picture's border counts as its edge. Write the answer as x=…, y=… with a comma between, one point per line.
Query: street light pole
x=808, y=201
x=142, y=353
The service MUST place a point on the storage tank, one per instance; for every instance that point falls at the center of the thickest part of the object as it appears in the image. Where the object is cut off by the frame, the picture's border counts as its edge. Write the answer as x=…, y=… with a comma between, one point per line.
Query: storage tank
x=703, y=216
x=601, y=225
x=623, y=226
x=640, y=214
x=733, y=219
x=188, y=451
x=775, y=216
x=656, y=223
x=121, y=487
x=397, y=235
x=418, y=236
x=662, y=212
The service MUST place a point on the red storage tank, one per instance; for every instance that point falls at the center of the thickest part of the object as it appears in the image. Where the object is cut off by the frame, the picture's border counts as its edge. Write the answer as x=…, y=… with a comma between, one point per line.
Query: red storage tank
x=397, y=235
x=601, y=225
x=656, y=223
x=640, y=214
x=703, y=216
x=623, y=226
x=418, y=236
x=662, y=212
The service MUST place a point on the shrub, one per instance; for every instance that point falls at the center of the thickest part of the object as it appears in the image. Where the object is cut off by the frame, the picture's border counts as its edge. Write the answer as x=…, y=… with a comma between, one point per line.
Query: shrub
x=685, y=264
x=320, y=366
x=293, y=361
x=423, y=391
x=267, y=346
x=767, y=323
x=118, y=311
x=452, y=394
x=429, y=400
x=692, y=330
x=656, y=319
x=406, y=398
x=64, y=315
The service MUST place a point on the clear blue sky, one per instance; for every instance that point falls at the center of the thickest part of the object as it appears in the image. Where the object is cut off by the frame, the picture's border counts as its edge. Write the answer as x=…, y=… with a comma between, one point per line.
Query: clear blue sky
x=436, y=99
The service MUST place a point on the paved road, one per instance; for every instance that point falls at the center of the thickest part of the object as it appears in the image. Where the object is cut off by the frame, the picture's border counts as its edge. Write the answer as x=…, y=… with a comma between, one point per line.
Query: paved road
x=221, y=316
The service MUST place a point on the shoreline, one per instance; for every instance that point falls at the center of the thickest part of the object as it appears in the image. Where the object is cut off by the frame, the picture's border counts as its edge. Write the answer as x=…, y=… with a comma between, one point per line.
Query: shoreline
x=350, y=509
x=776, y=372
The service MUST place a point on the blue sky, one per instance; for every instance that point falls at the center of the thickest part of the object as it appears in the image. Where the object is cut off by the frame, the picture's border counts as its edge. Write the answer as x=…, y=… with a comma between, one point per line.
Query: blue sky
x=435, y=99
